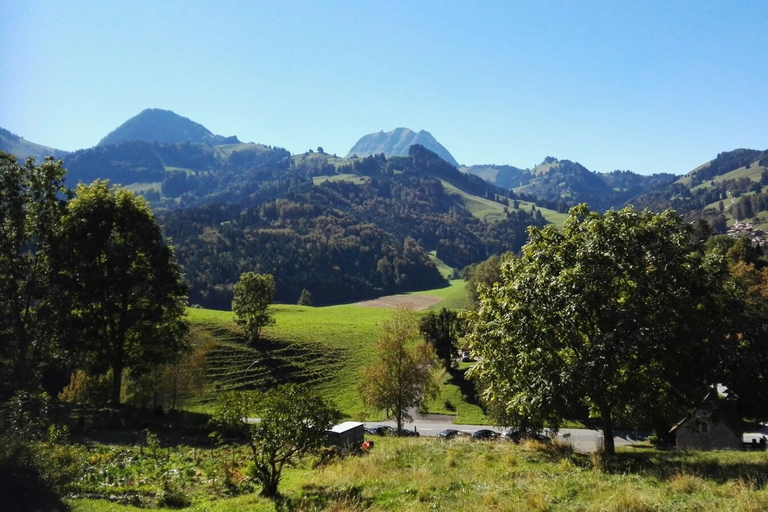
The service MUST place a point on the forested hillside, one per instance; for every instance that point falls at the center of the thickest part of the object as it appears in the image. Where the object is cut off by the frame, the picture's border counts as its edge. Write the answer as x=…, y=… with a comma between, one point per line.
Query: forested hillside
x=727, y=189
x=165, y=172
x=568, y=183
x=344, y=239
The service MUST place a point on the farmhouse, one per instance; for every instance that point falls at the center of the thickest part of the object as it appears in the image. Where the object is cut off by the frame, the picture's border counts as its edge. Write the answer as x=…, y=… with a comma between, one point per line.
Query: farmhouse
x=709, y=427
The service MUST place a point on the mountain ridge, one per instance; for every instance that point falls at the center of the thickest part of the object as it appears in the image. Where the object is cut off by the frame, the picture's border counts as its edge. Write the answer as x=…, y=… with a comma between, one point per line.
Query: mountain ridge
x=164, y=126
x=397, y=142
x=23, y=149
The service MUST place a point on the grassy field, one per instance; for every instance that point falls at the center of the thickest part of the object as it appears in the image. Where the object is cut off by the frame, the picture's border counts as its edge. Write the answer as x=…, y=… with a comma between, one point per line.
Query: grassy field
x=325, y=348
x=144, y=187
x=427, y=474
x=454, y=295
x=484, y=209
x=322, y=347
x=754, y=173
x=352, y=178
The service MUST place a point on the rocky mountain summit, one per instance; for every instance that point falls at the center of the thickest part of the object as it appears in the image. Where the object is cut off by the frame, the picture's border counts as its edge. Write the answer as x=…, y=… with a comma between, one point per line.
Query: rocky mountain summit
x=397, y=142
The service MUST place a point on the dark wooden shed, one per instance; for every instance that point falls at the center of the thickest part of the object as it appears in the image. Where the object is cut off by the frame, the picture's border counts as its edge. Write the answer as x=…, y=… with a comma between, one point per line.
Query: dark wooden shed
x=349, y=434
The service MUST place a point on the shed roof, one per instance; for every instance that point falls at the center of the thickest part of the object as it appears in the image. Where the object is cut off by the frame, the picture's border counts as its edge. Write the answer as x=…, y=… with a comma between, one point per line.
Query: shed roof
x=347, y=425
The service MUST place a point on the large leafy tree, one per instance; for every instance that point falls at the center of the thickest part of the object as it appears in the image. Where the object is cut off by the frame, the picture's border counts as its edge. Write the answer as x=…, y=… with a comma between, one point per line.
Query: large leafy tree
x=121, y=294
x=746, y=360
x=616, y=311
x=486, y=273
x=31, y=206
x=253, y=295
x=293, y=423
x=401, y=376
x=442, y=331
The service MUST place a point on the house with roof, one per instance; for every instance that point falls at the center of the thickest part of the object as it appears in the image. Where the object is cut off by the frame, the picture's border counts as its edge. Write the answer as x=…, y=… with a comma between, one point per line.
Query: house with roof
x=709, y=427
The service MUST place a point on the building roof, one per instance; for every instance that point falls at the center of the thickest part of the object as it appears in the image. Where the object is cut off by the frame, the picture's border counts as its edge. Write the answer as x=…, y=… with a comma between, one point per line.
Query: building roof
x=347, y=425
x=714, y=406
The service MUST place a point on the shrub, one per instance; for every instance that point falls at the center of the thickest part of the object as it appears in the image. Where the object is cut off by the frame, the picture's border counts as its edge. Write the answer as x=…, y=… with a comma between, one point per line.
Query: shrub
x=85, y=389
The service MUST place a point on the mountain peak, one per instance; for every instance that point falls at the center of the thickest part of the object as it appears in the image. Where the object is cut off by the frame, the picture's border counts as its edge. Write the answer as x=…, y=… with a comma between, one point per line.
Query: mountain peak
x=164, y=126
x=397, y=142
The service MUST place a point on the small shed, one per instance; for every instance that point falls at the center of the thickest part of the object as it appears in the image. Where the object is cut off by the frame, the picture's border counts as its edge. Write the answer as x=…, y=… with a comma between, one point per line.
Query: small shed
x=709, y=427
x=346, y=435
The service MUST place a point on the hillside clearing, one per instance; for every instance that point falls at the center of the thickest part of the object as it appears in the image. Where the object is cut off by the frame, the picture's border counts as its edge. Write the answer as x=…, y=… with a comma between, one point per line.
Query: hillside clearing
x=416, y=302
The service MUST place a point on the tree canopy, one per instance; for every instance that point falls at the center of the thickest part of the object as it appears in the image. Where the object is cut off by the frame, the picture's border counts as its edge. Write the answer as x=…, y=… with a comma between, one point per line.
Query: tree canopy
x=442, y=331
x=253, y=295
x=400, y=378
x=31, y=206
x=616, y=311
x=120, y=292
x=293, y=423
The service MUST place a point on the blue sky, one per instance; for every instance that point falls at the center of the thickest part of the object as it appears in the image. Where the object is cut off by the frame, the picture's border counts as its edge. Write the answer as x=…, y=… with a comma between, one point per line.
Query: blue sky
x=649, y=86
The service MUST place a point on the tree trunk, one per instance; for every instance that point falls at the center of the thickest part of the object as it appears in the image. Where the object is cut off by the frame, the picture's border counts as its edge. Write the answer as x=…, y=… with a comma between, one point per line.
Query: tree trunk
x=117, y=384
x=270, y=481
x=605, y=416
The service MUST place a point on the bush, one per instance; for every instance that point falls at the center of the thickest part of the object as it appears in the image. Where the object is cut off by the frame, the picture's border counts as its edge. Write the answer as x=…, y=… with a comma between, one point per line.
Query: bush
x=173, y=495
x=87, y=390
x=24, y=482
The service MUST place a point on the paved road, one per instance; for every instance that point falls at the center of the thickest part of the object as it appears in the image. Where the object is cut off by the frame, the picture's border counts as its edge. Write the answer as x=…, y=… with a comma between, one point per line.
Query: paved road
x=584, y=440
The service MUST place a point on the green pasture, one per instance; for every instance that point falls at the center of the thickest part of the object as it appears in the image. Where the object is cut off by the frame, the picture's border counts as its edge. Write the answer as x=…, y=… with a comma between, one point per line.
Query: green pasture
x=752, y=172
x=484, y=209
x=352, y=178
x=324, y=347
x=427, y=474
x=189, y=172
x=228, y=149
x=145, y=187
x=729, y=202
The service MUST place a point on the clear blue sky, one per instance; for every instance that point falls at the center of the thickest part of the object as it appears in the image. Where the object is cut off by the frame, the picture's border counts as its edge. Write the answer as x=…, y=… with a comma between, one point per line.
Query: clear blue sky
x=650, y=86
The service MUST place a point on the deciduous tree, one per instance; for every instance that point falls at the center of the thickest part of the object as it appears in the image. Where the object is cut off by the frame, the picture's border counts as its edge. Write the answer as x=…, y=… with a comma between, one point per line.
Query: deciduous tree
x=293, y=423
x=31, y=207
x=617, y=311
x=401, y=376
x=746, y=360
x=442, y=331
x=120, y=291
x=253, y=295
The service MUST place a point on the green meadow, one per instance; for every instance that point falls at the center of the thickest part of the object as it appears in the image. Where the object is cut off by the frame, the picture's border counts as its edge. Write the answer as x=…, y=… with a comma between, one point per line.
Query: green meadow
x=428, y=474
x=324, y=347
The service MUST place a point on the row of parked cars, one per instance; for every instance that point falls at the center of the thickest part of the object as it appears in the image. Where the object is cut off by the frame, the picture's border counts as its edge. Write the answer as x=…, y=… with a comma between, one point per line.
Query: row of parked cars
x=383, y=430
x=482, y=434
x=486, y=434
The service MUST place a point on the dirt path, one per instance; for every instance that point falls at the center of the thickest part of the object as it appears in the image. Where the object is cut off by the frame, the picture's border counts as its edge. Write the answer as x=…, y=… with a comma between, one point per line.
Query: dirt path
x=417, y=302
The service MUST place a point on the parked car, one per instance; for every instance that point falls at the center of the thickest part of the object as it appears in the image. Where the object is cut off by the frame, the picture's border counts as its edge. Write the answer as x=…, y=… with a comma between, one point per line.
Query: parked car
x=379, y=430
x=450, y=434
x=512, y=435
x=485, y=434
x=518, y=435
x=405, y=433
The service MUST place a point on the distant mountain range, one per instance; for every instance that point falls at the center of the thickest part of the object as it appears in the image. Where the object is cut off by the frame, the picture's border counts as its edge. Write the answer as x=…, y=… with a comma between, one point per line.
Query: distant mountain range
x=397, y=142
x=152, y=149
x=377, y=221
x=571, y=182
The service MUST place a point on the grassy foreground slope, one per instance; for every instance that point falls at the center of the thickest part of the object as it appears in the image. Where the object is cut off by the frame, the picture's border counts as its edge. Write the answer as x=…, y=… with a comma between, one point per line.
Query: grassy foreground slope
x=325, y=348
x=427, y=474
x=321, y=347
